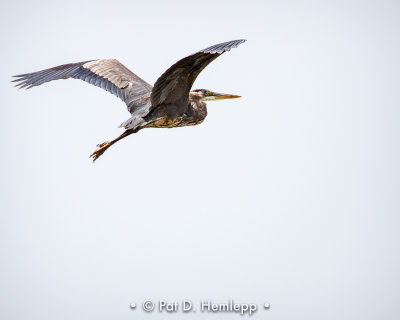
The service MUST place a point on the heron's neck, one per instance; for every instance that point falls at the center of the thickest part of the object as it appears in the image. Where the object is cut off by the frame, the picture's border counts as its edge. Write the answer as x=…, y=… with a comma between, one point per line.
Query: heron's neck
x=197, y=110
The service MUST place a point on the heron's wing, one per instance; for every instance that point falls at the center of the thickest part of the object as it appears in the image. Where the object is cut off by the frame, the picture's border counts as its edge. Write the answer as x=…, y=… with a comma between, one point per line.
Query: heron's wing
x=174, y=85
x=108, y=74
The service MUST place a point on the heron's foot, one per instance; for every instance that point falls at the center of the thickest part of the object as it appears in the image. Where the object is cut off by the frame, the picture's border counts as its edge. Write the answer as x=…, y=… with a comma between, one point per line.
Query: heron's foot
x=100, y=150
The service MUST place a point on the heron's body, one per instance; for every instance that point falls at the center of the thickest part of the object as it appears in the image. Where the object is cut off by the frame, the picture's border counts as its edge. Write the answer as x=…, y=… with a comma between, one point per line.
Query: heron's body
x=168, y=104
x=170, y=116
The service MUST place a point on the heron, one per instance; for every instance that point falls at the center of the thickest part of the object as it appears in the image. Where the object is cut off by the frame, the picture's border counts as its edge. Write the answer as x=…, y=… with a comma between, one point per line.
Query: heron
x=169, y=103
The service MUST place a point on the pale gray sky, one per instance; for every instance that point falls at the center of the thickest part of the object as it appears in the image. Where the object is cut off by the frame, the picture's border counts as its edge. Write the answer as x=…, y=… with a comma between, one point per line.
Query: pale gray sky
x=289, y=195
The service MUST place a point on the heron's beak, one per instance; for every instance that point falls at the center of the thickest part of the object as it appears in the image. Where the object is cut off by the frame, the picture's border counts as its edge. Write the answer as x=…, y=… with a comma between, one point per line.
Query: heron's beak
x=219, y=96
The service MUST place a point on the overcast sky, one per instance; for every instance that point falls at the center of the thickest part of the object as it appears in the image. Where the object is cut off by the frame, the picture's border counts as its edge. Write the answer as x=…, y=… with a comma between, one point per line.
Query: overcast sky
x=289, y=195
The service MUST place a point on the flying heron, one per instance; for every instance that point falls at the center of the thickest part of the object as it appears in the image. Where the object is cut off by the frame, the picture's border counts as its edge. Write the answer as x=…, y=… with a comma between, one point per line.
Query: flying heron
x=170, y=103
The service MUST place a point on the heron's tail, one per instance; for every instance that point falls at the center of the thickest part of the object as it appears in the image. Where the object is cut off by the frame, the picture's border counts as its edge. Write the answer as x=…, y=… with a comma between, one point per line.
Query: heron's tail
x=101, y=148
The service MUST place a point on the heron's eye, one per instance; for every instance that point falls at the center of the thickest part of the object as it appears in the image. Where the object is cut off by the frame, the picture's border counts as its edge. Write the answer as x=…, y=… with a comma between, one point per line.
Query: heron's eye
x=208, y=93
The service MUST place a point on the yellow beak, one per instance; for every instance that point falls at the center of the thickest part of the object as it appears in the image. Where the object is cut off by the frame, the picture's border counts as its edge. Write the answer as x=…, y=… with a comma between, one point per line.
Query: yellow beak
x=220, y=96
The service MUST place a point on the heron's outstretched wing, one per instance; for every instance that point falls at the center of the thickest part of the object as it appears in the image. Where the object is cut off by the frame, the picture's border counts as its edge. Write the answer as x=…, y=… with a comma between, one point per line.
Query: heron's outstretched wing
x=108, y=74
x=174, y=85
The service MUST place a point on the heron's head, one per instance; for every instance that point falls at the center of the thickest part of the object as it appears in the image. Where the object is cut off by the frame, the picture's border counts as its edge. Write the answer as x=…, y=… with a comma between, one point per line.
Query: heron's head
x=207, y=95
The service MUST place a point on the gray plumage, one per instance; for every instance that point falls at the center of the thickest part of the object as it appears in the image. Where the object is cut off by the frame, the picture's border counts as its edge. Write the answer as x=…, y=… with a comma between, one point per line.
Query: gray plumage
x=170, y=103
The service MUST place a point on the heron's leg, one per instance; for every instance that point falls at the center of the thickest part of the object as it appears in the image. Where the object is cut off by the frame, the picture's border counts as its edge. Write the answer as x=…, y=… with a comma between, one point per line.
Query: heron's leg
x=105, y=145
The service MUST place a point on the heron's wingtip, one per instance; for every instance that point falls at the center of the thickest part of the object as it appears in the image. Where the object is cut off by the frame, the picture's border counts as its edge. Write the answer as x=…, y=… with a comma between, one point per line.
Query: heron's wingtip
x=22, y=85
x=223, y=47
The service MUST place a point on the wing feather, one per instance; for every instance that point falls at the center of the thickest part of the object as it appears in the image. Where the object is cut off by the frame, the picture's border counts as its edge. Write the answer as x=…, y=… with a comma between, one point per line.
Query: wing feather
x=174, y=84
x=108, y=74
